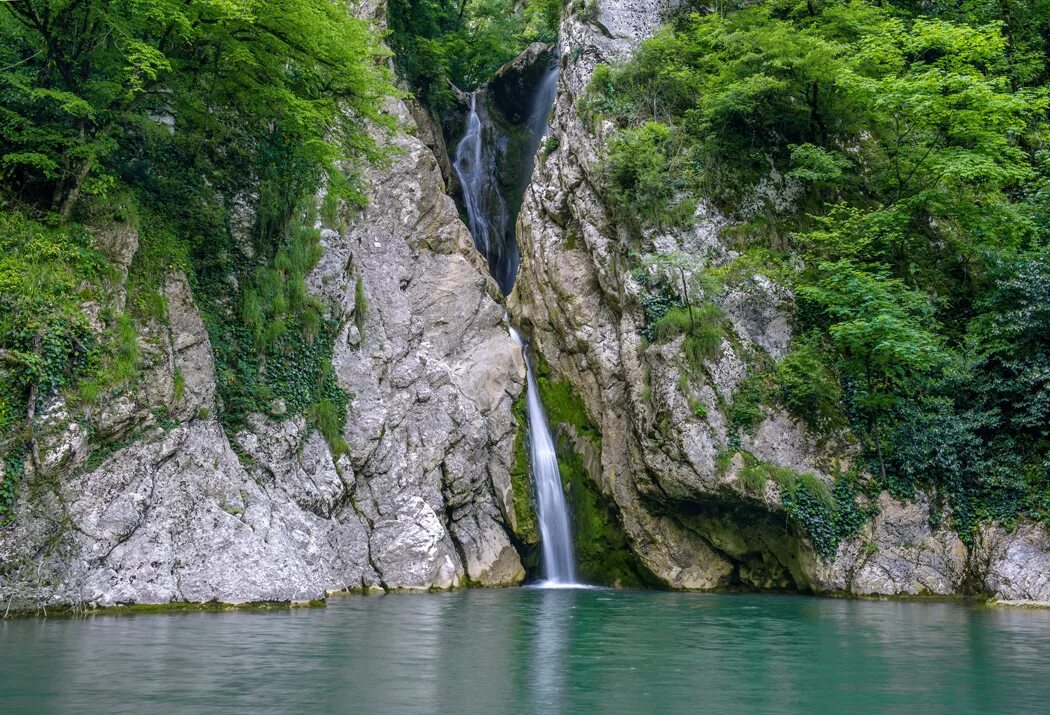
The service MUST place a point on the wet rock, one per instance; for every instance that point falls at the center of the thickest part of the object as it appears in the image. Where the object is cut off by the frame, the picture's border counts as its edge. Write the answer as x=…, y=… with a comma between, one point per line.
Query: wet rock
x=513, y=87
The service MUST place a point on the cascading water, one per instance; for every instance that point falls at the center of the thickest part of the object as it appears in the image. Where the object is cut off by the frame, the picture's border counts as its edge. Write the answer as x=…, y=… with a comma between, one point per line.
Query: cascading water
x=491, y=223
x=488, y=217
x=556, y=539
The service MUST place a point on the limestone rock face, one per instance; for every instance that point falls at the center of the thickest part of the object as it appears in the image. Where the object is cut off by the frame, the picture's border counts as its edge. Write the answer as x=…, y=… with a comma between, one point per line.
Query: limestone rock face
x=434, y=375
x=899, y=553
x=1016, y=565
x=176, y=509
x=686, y=508
x=176, y=517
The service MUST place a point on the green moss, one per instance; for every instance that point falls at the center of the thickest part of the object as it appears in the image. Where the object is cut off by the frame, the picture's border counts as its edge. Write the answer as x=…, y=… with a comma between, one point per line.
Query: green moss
x=561, y=403
x=723, y=460
x=47, y=272
x=273, y=341
x=179, y=385
x=521, y=482
x=603, y=554
x=160, y=251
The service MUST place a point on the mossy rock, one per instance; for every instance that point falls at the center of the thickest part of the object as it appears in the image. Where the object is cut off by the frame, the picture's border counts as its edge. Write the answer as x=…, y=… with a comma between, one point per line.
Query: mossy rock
x=527, y=523
x=603, y=555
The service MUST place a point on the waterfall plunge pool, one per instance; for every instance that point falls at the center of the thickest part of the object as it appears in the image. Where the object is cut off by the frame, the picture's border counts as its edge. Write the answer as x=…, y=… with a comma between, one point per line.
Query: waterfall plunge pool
x=537, y=651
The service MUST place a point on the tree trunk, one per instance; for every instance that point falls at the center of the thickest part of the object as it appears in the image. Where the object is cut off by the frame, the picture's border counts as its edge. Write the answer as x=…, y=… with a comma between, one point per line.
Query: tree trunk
x=688, y=303
x=66, y=201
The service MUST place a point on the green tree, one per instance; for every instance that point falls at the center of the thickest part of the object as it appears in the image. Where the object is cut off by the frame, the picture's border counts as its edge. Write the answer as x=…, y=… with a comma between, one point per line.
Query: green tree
x=79, y=71
x=908, y=138
x=443, y=43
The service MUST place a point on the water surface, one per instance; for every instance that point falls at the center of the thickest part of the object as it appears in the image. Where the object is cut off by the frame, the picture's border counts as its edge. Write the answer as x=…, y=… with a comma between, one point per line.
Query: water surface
x=537, y=651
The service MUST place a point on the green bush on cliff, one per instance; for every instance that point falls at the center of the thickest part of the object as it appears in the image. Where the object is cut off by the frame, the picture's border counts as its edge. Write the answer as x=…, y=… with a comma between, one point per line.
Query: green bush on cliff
x=809, y=385
x=826, y=516
x=47, y=272
x=703, y=327
x=911, y=140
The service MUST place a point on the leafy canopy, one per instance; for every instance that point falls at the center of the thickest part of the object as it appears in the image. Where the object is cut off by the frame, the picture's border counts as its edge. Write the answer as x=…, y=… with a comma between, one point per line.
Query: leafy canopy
x=78, y=72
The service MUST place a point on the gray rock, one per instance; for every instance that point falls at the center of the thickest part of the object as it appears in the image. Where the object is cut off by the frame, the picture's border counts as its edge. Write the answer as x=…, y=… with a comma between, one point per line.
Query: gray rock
x=175, y=517
x=1016, y=564
x=900, y=553
x=421, y=501
x=434, y=374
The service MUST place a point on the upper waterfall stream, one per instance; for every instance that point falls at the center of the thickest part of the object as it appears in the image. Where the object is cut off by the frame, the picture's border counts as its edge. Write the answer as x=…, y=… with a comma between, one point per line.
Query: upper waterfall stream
x=492, y=222
x=488, y=217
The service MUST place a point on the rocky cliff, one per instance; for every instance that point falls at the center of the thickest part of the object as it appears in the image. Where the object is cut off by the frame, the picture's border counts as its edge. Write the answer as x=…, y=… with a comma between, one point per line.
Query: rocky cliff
x=699, y=502
x=147, y=499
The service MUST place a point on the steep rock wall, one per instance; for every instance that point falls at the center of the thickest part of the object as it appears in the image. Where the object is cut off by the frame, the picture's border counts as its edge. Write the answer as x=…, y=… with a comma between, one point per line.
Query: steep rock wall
x=147, y=499
x=663, y=440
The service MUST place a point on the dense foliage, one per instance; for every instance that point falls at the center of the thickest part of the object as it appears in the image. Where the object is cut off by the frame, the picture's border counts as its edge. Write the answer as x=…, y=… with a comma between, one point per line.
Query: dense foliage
x=441, y=43
x=77, y=73
x=179, y=118
x=889, y=162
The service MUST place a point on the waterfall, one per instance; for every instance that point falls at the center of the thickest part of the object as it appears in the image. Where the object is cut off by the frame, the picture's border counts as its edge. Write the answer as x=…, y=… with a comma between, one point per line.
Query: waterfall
x=488, y=216
x=491, y=221
x=556, y=538
x=541, y=109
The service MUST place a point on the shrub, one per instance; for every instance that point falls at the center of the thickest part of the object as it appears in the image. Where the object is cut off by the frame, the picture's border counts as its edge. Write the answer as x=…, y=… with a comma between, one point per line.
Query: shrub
x=809, y=388
x=360, y=306
x=327, y=418
x=703, y=327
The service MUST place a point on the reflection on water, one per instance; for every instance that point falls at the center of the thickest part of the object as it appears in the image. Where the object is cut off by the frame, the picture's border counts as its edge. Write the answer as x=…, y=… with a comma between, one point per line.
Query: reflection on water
x=538, y=651
x=552, y=629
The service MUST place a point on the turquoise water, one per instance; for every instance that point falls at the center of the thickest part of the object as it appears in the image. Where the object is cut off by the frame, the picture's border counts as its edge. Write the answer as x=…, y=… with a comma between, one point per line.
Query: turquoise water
x=534, y=651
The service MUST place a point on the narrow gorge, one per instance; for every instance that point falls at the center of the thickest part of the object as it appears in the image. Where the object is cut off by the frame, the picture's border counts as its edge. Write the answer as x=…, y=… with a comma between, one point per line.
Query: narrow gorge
x=494, y=163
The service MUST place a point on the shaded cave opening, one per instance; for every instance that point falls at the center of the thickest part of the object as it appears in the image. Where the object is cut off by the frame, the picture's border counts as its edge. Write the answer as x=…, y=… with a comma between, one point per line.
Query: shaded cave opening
x=765, y=549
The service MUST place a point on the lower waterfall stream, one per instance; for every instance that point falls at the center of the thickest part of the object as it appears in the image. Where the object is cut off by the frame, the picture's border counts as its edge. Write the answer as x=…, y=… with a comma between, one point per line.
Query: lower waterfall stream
x=555, y=536
x=492, y=225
